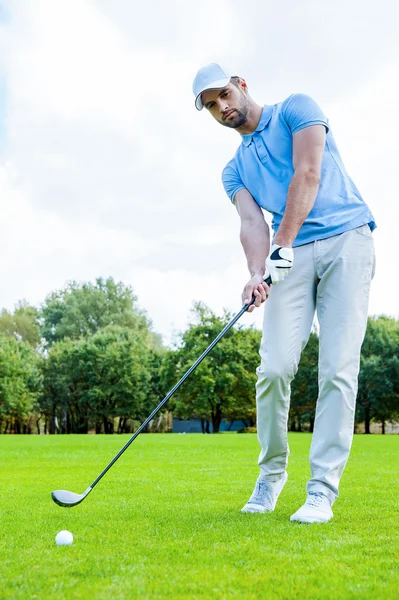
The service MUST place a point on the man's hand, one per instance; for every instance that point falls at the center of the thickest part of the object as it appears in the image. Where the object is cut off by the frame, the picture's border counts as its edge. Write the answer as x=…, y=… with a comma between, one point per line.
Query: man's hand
x=257, y=287
x=279, y=263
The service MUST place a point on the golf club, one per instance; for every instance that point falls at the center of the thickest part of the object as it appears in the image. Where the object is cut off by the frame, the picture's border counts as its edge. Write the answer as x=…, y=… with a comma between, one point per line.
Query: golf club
x=69, y=499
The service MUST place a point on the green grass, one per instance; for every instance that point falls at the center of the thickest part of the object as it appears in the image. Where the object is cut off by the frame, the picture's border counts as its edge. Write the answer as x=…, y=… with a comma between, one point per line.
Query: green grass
x=165, y=522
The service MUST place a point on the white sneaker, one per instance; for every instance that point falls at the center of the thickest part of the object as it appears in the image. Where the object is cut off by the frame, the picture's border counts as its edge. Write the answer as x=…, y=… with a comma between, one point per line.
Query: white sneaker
x=265, y=495
x=317, y=509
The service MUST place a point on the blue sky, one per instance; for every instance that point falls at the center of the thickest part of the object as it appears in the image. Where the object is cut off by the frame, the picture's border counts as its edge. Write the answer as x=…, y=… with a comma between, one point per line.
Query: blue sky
x=109, y=170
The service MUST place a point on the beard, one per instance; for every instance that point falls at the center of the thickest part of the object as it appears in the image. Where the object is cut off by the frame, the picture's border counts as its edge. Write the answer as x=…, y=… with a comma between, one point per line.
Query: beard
x=237, y=119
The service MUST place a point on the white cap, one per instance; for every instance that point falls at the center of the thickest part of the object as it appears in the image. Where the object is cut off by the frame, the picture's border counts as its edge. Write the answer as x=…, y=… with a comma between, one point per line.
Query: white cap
x=210, y=77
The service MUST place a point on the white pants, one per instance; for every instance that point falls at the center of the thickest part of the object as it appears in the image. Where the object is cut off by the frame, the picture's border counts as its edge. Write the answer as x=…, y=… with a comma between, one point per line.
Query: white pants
x=333, y=277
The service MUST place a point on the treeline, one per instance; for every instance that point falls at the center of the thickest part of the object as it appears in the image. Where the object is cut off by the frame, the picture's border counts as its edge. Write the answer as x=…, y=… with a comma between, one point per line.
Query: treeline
x=89, y=360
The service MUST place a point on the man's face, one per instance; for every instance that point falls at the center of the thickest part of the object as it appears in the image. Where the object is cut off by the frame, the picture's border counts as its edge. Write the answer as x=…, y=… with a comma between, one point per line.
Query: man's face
x=229, y=105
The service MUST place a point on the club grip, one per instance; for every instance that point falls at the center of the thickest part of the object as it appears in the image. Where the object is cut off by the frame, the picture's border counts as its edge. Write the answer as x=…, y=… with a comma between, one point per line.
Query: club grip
x=268, y=280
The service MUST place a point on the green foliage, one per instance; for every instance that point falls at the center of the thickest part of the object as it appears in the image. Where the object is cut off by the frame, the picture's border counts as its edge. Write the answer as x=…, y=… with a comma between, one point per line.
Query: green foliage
x=82, y=309
x=105, y=367
x=22, y=324
x=96, y=379
x=247, y=430
x=223, y=384
x=157, y=384
x=102, y=348
x=20, y=382
x=304, y=388
x=378, y=395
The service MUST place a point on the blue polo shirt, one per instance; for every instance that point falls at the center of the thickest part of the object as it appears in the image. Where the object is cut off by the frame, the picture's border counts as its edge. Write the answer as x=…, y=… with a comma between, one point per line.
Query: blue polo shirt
x=263, y=165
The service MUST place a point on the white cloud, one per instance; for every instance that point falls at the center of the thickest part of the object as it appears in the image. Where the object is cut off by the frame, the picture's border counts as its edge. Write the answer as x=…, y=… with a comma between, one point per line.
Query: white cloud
x=40, y=251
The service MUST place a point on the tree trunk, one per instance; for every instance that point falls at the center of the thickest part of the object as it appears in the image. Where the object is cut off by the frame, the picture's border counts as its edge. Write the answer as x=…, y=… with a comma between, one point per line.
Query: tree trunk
x=51, y=428
x=38, y=426
x=98, y=427
x=230, y=425
x=68, y=423
x=367, y=419
x=383, y=426
x=83, y=425
x=64, y=421
x=207, y=427
x=216, y=420
x=72, y=422
x=108, y=426
x=293, y=425
x=311, y=424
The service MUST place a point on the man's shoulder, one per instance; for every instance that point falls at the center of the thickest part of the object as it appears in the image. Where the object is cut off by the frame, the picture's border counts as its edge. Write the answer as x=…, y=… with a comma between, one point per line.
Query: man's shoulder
x=300, y=110
x=294, y=100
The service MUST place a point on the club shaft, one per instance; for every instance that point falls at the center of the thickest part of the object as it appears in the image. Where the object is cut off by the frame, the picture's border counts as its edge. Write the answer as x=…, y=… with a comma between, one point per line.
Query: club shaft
x=173, y=390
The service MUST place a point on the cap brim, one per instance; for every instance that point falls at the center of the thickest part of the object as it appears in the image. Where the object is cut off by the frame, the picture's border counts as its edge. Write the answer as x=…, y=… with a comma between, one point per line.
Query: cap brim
x=215, y=85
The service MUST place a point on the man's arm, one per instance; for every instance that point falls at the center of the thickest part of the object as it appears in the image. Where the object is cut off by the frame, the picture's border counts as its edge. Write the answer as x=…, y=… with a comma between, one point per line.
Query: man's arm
x=255, y=239
x=307, y=149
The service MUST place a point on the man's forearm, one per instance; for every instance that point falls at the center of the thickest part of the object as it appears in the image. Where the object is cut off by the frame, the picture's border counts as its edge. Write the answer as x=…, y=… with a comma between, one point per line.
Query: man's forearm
x=255, y=239
x=301, y=197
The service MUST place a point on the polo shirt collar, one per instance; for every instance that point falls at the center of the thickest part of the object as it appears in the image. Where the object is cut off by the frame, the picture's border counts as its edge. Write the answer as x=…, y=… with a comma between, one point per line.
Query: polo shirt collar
x=264, y=120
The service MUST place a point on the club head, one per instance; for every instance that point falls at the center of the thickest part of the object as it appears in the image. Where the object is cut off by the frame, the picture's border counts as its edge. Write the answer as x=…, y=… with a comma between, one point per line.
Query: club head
x=69, y=499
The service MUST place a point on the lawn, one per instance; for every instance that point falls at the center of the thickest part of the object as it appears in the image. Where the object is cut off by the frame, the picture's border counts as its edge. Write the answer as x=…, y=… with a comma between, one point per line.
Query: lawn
x=165, y=522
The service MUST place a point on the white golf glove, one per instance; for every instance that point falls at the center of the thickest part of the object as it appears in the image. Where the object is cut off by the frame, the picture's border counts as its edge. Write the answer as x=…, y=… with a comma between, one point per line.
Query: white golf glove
x=279, y=263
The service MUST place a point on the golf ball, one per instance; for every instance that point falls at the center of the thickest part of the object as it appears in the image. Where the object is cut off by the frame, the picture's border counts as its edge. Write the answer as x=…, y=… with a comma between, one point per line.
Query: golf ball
x=64, y=538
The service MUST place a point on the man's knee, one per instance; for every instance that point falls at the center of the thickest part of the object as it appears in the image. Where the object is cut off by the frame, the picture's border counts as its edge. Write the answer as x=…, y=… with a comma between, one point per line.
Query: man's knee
x=274, y=371
x=337, y=375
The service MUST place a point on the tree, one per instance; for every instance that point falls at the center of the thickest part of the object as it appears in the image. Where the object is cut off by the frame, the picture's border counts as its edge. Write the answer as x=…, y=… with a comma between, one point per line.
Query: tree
x=304, y=388
x=20, y=384
x=96, y=380
x=378, y=393
x=82, y=309
x=223, y=384
x=158, y=388
x=22, y=324
x=243, y=405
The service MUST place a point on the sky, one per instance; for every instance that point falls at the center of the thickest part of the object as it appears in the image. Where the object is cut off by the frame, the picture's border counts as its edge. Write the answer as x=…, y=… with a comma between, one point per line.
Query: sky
x=108, y=170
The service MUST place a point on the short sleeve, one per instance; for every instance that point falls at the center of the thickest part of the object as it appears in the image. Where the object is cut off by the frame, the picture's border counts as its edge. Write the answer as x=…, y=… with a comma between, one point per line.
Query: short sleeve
x=231, y=181
x=300, y=111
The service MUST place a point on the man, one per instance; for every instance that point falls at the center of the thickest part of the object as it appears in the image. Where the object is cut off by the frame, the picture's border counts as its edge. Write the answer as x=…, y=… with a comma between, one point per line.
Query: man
x=289, y=165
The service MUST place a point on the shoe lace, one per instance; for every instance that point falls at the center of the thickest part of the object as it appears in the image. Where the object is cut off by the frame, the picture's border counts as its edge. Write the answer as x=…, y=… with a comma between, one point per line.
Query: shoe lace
x=261, y=490
x=315, y=499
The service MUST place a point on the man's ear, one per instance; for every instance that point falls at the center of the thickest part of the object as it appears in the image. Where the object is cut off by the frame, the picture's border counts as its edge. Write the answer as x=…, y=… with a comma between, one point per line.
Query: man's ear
x=243, y=84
